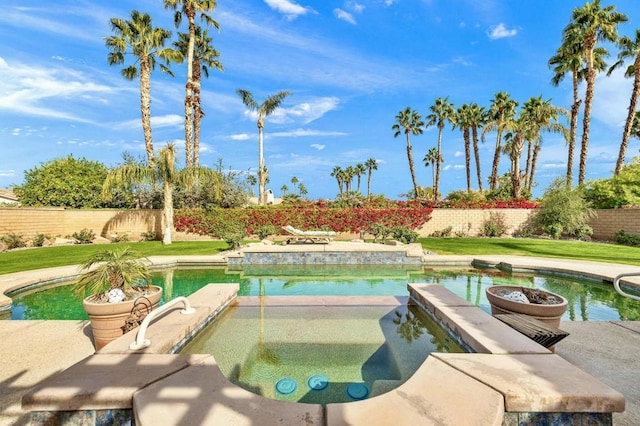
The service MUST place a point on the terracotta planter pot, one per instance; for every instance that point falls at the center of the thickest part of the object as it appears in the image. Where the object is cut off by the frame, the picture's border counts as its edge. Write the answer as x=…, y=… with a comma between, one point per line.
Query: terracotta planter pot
x=549, y=313
x=107, y=319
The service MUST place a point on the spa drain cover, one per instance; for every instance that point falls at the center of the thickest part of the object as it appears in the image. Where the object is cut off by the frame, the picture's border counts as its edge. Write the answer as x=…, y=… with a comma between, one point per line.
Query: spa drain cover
x=357, y=391
x=286, y=386
x=318, y=382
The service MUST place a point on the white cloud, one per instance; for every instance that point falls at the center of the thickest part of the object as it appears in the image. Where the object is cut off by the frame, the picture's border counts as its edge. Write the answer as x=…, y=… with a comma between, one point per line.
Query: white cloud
x=288, y=8
x=611, y=103
x=240, y=137
x=305, y=112
x=354, y=6
x=28, y=90
x=317, y=146
x=168, y=120
x=344, y=16
x=158, y=121
x=303, y=133
x=8, y=173
x=501, y=31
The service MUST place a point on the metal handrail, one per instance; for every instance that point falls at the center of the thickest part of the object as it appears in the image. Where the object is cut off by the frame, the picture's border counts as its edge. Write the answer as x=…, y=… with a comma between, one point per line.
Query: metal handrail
x=141, y=342
x=616, y=284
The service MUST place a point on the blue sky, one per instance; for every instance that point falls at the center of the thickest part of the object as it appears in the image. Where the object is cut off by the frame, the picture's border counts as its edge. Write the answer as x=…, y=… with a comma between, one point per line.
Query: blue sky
x=351, y=65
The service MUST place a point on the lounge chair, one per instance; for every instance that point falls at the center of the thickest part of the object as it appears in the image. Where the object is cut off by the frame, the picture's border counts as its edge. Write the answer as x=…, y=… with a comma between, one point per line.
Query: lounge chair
x=298, y=236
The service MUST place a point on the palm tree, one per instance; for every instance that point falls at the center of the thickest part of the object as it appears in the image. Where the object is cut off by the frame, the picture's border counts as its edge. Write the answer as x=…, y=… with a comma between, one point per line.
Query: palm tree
x=542, y=116
x=371, y=164
x=252, y=181
x=302, y=189
x=628, y=49
x=360, y=170
x=190, y=8
x=349, y=174
x=164, y=172
x=591, y=24
x=464, y=122
x=337, y=173
x=477, y=118
x=501, y=112
x=409, y=122
x=430, y=159
x=138, y=37
x=284, y=188
x=265, y=109
x=205, y=56
x=441, y=112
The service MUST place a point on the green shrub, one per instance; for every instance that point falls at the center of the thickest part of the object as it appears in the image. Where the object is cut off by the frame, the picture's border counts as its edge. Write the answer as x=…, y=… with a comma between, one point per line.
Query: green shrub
x=380, y=232
x=39, y=240
x=232, y=232
x=564, y=209
x=266, y=231
x=583, y=232
x=14, y=241
x=623, y=238
x=443, y=233
x=404, y=235
x=85, y=236
x=495, y=226
x=119, y=238
x=149, y=236
x=554, y=230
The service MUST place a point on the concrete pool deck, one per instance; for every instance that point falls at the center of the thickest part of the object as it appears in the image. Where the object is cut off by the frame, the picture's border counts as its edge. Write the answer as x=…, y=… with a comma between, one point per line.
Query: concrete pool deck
x=28, y=358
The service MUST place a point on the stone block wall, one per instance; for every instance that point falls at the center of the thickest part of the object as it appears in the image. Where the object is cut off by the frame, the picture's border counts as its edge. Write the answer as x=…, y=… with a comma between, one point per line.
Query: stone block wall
x=57, y=222
x=608, y=222
x=469, y=222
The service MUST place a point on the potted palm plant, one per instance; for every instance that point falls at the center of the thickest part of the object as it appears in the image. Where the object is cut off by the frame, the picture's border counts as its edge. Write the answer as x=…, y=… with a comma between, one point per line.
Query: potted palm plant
x=114, y=279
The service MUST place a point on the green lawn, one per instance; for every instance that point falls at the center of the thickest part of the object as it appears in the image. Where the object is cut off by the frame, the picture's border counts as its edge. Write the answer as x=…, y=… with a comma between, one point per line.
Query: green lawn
x=46, y=257
x=25, y=260
x=578, y=250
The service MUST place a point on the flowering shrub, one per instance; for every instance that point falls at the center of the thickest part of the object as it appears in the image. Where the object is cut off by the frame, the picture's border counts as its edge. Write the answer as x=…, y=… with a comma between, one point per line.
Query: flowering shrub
x=308, y=216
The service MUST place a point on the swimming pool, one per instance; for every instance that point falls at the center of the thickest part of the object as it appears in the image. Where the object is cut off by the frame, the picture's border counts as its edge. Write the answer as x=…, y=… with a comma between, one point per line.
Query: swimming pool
x=588, y=300
x=321, y=353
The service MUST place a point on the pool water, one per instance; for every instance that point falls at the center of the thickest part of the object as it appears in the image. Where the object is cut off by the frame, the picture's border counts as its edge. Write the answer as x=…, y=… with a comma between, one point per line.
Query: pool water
x=588, y=300
x=321, y=354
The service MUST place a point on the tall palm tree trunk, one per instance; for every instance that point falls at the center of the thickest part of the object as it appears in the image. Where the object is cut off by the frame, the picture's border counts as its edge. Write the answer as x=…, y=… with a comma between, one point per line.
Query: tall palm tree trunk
x=411, y=169
x=534, y=162
x=630, y=117
x=167, y=212
x=262, y=179
x=145, y=106
x=493, y=180
x=467, y=156
x=573, y=126
x=188, y=99
x=369, y=184
x=527, y=170
x=589, y=45
x=476, y=152
x=197, y=111
x=436, y=186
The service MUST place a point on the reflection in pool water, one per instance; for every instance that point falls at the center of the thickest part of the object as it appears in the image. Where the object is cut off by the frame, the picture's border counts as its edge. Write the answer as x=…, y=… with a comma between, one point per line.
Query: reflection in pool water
x=588, y=300
x=357, y=351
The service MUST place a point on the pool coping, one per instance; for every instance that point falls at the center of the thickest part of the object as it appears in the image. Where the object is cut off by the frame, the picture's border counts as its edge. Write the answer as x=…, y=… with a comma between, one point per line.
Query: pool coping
x=508, y=377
